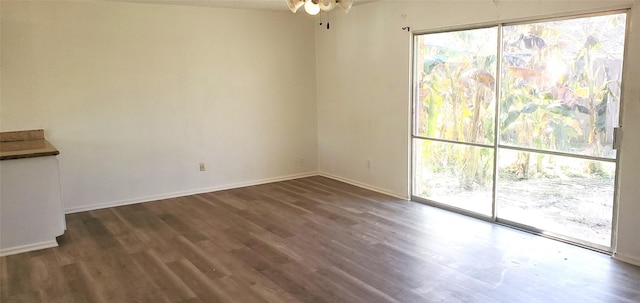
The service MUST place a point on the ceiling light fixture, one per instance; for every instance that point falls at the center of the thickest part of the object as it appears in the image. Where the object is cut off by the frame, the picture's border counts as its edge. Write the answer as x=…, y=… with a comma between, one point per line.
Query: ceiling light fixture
x=313, y=7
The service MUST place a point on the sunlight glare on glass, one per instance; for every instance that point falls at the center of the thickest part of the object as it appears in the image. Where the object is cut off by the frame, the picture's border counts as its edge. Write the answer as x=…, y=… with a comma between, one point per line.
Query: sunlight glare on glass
x=556, y=69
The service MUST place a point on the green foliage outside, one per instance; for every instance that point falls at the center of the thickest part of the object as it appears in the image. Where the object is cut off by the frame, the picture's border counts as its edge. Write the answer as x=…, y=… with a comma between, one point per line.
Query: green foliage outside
x=560, y=91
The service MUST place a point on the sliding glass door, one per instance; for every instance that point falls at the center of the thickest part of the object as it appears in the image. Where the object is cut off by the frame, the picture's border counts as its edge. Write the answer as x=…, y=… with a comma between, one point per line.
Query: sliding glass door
x=453, y=142
x=543, y=157
x=559, y=110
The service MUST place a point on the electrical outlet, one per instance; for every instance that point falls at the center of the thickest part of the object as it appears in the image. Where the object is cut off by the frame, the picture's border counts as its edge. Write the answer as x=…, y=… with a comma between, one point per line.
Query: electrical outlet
x=202, y=168
x=368, y=163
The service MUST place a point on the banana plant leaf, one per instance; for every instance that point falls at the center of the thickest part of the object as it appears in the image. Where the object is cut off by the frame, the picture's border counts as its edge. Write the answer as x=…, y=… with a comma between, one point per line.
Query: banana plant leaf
x=583, y=109
x=430, y=62
x=561, y=109
x=479, y=75
x=512, y=116
x=512, y=60
x=601, y=115
x=529, y=108
x=533, y=42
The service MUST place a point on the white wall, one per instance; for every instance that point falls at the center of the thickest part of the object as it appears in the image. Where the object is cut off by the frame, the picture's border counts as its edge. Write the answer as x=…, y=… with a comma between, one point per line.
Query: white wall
x=363, y=97
x=135, y=95
x=363, y=68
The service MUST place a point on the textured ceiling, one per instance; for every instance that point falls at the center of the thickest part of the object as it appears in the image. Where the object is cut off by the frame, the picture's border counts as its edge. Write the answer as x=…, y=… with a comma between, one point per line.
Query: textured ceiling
x=249, y=4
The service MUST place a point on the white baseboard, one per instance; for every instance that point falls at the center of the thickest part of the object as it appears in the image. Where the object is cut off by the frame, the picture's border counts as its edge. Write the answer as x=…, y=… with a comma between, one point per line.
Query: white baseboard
x=627, y=259
x=231, y=186
x=186, y=193
x=365, y=186
x=29, y=247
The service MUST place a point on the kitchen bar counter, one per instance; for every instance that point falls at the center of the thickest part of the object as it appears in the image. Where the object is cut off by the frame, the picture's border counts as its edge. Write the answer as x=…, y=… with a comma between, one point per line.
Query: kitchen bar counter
x=31, y=209
x=25, y=144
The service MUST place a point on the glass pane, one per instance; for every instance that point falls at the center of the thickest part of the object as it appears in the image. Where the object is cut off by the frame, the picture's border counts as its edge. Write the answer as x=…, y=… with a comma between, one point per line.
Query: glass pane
x=561, y=84
x=455, y=73
x=454, y=174
x=564, y=195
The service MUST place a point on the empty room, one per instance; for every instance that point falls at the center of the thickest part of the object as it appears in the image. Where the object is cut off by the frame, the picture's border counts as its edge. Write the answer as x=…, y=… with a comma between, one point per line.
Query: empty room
x=319, y=151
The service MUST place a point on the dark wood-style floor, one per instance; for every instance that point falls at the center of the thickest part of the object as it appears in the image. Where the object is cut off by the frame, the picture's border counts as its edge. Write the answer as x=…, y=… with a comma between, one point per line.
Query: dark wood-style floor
x=305, y=240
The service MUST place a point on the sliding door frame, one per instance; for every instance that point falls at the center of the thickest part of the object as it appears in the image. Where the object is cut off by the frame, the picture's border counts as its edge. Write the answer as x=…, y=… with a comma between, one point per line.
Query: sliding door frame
x=496, y=140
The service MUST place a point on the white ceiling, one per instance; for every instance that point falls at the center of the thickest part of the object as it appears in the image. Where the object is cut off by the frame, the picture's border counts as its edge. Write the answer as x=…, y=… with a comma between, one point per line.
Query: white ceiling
x=249, y=4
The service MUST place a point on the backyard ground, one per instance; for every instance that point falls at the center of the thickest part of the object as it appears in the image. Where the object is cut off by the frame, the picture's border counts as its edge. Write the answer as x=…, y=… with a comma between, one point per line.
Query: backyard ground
x=578, y=207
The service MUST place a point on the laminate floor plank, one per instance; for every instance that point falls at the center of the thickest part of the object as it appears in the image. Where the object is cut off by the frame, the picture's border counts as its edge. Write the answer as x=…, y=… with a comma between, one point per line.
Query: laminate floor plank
x=46, y=276
x=292, y=286
x=110, y=220
x=165, y=280
x=357, y=288
x=385, y=277
x=316, y=190
x=282, y=205
x=317, y=284
x=246, y=274
x=275, y=191
x=181, y=228
x=27, y=297
x=4, y=280
x=83, y=287
x=103, y=271
x=228, y=199
x=204, y=211
x=161, y=242
x=306, y=240
x=197, y=281
x=210, y=267
x=234, y=214
x=18, y=275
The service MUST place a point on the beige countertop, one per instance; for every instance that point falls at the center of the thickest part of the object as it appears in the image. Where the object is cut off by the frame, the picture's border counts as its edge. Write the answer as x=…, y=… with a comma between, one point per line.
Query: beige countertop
x=25, y=144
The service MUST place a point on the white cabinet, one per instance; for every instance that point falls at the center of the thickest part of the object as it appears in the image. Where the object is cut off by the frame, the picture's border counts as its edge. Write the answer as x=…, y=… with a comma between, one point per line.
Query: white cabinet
x=31, y=211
